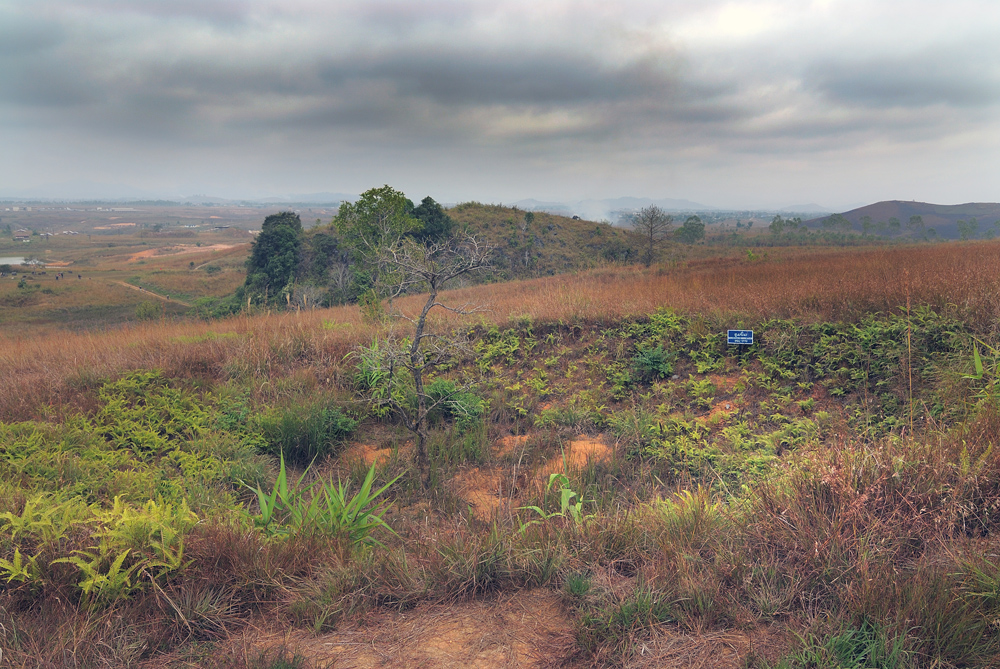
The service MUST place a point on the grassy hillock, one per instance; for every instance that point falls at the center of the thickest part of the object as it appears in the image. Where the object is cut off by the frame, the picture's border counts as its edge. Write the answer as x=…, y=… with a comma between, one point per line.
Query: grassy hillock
x=225, y=494
x=533, y=244
x=525, y=245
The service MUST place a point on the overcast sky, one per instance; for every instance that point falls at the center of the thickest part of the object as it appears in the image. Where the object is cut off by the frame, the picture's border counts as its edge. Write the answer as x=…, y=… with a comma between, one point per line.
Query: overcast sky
x=732, y=104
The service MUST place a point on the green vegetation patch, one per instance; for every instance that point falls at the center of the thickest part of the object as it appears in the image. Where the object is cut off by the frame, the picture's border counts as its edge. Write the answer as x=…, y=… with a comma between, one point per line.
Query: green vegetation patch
x=146, y=441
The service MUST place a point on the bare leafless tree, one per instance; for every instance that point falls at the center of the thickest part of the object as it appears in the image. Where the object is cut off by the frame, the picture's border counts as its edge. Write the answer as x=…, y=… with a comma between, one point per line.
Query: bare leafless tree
x=340, y=275
x=408, y=267
x=654, y=225
x=305, y=296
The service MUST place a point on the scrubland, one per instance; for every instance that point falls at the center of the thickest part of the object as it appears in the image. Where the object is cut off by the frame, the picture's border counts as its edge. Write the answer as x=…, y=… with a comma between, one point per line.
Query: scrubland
x=221, y=493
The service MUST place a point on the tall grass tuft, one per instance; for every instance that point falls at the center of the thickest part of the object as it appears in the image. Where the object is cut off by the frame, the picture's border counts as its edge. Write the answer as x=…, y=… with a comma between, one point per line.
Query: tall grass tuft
x=306, y=431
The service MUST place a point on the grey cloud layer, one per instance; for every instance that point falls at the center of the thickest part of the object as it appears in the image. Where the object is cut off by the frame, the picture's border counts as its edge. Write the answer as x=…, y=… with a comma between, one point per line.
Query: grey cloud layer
x=939, y=78
x=571, y=78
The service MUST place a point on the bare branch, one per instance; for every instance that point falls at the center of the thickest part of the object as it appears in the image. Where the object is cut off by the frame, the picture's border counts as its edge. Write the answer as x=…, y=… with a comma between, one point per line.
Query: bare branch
x=406, y=267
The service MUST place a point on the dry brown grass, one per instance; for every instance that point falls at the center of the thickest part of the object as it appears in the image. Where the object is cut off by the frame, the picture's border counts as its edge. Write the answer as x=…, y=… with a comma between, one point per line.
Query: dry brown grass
x=172, y=272
x=39, y=367
x=527, y=628
x=833, y=284
x=195, y=283
x=42, y=370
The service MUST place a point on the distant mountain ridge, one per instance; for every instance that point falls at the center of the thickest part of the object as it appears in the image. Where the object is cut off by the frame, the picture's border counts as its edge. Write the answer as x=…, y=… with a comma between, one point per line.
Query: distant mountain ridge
x=77, y=197
x=609, y=208
x=82, y=190
x=942, y=218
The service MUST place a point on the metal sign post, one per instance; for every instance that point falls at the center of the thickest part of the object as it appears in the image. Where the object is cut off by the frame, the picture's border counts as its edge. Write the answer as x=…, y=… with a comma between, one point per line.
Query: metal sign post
x=741, y=338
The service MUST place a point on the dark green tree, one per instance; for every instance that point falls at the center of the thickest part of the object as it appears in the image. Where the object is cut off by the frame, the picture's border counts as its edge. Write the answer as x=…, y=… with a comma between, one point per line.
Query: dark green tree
x=968, y=229
x=777, y=225
x=274, y=256
x=838, y=222
x=437, y=225
x=692, y=231
x=379, y=219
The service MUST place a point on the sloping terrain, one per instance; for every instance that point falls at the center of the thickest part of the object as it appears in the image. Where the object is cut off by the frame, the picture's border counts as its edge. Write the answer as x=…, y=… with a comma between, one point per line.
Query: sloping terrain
x=611, y=483
x=942, y=218
x=541, y=244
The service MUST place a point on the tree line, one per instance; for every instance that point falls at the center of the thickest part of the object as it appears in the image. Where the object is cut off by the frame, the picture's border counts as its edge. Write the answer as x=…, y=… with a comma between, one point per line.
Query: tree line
x=336, y=264
x=656, y=227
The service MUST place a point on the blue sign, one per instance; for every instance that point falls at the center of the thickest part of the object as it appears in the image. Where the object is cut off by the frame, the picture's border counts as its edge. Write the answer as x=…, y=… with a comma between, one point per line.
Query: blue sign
x=740, y=337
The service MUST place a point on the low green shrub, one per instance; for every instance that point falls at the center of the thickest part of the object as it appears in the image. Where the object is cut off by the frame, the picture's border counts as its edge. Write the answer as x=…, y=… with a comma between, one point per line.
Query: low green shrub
x=868, y=646
x=452, y=447
x=142, y=413
x=654, y=363
x=454, y=403
x=145, y=441
x=306, y=431
x=577, y=584
x=148, y=310
x=607, y=629
x=114, y=551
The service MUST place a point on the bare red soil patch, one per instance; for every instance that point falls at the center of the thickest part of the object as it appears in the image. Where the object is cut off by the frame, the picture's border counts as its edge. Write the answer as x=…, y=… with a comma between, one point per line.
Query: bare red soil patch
x=721, y=411
x=366, y=453
x=483, y=490
x=509, y=444
x=177, y=250
x=578, y=454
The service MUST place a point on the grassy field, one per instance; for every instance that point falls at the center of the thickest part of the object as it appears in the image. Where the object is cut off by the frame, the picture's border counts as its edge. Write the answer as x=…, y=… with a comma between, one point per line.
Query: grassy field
x=92, y=281
x=614, y=485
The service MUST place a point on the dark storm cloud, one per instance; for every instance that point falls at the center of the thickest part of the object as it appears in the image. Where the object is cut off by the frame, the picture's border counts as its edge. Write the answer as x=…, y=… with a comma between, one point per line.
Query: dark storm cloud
x=21, y=38
x=949, y=78
x=31, y=69
x=202, y=79
x=402, y=16
x=508, y=77
x=212, y=83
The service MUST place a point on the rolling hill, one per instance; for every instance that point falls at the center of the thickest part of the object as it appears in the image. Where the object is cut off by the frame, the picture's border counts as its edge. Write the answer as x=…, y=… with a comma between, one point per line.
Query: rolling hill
x=942, y=218
x=544, y=244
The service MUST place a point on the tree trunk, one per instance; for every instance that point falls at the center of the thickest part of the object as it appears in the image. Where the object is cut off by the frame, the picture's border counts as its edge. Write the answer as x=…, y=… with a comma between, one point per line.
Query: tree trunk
x=417, y=370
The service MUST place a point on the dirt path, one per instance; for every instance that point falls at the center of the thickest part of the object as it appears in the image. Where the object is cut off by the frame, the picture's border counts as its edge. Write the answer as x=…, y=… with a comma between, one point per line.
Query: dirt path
x=524, y=629
x=152, y=294
x=527, y=629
